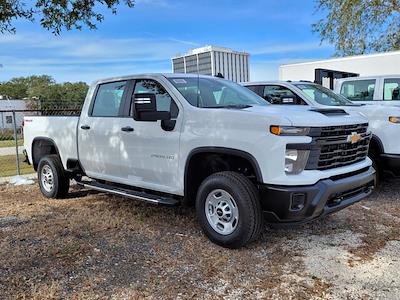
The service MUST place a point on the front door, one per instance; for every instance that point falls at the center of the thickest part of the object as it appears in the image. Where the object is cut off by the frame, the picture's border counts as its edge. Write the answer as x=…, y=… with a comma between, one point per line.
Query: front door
x=99, y=133
x=150, y=152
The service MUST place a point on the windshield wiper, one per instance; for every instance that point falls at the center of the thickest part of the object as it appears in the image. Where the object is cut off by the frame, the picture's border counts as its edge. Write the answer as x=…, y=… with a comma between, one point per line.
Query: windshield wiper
x=231, y=106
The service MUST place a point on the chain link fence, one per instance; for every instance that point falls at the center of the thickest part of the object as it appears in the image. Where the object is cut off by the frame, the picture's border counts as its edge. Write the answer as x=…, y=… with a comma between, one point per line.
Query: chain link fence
x=12, y=159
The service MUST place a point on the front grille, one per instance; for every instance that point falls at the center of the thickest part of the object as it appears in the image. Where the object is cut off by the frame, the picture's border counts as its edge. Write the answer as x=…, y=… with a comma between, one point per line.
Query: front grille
x=332, y=146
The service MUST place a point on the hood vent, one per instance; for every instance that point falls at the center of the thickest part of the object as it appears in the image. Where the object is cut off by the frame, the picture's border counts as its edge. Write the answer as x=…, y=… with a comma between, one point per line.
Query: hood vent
x=330, y=111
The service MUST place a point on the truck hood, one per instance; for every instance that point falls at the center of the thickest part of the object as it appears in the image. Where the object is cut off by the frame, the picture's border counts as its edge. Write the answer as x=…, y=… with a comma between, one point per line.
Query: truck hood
x=310, y=116
x=372, y=111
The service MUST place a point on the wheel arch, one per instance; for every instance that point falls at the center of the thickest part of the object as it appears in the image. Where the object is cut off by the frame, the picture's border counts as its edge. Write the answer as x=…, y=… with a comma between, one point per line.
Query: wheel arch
x=243, y=156
x=42, y=146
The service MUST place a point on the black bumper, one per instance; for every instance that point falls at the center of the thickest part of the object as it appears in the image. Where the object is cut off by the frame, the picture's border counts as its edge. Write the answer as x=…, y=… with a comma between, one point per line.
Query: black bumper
x=391, y=163
x=301, y=204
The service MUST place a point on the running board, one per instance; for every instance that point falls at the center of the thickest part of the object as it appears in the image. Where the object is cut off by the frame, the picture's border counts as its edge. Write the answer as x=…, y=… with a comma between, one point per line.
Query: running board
x=143, y=196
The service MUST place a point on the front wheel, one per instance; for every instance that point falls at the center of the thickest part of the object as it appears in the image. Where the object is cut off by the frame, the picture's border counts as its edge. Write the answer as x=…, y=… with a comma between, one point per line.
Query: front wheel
x=53, y=181
x=228, y=209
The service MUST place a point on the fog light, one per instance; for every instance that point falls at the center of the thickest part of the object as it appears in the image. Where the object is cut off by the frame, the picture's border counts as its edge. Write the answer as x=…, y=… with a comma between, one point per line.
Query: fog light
x=298, y=201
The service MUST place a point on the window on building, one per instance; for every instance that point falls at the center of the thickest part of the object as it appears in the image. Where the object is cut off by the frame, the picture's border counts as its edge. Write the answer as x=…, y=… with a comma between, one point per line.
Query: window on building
x=9, y=119
x=391, y=89
x=359, y=90
x=164, y=100
x=108, y=99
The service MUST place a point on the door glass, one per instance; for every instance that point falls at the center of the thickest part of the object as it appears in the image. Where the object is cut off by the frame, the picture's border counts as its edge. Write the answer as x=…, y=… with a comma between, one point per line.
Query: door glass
x=359, y=90
x=391, y=89
x=163, y=99
x=273, y=93
x=108, y=99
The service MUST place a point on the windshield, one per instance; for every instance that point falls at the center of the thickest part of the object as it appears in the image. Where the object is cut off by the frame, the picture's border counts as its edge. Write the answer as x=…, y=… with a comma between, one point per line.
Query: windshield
x=323, y=96
x=215, y=93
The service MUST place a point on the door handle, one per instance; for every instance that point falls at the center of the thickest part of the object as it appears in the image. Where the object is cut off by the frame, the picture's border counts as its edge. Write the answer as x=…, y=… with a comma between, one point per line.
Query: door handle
x=127, y=129
x=85, y=127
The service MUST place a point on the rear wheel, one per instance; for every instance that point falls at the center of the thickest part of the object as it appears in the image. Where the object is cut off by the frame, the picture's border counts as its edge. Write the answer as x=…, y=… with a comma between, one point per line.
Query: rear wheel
x=53, y=181
x=228, y=209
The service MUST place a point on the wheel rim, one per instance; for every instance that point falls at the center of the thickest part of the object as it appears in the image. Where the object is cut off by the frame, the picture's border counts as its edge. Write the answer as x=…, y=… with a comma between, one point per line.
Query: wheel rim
x=47, y=178
x=222, y=212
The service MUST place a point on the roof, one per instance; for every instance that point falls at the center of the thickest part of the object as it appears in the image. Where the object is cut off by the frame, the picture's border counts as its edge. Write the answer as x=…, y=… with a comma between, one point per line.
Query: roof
x=210, y=48
x=152, y=75
x=354, y=57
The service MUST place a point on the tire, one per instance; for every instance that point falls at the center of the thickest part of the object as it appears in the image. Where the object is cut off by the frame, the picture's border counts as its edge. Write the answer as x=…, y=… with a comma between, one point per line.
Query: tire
x=56, y=185
x=229, y=210
x=378, y=171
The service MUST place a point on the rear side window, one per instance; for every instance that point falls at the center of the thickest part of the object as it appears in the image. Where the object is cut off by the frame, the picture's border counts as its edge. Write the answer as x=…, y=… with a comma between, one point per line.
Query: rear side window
x=108, y=99
x=391, y=89
x=359, y=90
x=273, y=94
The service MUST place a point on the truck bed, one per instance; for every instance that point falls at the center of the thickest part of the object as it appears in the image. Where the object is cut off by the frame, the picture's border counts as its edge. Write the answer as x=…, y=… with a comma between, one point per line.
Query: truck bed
x=60, y=129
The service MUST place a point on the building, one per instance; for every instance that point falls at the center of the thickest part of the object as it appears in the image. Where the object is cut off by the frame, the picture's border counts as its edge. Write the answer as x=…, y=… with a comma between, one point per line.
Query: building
x=6, y=116
x=325, y=71
x=211, y=60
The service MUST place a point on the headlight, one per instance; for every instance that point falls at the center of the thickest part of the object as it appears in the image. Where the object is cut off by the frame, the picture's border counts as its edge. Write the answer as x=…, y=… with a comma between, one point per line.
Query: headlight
x=394, y=119
x=289, y=130
x=295, y=161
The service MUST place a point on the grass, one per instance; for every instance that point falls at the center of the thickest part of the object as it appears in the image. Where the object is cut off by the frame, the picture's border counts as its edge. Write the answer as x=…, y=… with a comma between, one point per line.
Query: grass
x=10, y=143
x=8, y=166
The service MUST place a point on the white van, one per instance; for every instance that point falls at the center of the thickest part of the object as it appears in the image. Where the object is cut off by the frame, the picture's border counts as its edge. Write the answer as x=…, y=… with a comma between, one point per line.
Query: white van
x=379, y=89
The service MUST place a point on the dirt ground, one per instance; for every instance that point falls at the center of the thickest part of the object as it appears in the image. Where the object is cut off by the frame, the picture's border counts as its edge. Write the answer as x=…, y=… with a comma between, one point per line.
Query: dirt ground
x=96, y=246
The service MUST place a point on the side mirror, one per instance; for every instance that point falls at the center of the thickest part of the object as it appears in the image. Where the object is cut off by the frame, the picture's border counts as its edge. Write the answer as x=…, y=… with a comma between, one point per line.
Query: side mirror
x=145, y=108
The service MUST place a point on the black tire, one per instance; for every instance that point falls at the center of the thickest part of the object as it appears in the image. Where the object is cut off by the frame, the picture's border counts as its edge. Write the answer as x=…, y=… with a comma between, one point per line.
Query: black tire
x=244, y=193
x=378, y=171
x=60, y=183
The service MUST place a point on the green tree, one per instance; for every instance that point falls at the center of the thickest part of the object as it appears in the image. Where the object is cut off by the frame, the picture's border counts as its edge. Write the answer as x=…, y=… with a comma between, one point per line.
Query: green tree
x=43, y=92
x=359, y=26
x=56, y=15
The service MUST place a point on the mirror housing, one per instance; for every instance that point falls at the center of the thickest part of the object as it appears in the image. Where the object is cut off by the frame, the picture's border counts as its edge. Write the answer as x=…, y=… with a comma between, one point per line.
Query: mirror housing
x=145, y=108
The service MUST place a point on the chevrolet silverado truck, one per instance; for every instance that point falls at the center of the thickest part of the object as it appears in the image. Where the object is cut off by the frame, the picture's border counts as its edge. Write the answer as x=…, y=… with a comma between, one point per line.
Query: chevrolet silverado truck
x=180, y=139
x=384, y=121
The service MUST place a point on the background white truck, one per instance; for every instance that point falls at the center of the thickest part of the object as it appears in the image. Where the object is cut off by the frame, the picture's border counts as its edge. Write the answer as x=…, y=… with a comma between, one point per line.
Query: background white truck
x=172, y=138
x=384, y=121
x=384, y=90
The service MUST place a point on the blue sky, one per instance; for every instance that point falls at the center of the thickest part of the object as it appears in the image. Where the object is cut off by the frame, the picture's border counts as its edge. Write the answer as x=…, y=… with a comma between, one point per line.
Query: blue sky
x=144, y=38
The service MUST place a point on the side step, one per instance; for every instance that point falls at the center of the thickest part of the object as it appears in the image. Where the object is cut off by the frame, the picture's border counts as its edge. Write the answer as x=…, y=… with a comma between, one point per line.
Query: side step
x=143, y=196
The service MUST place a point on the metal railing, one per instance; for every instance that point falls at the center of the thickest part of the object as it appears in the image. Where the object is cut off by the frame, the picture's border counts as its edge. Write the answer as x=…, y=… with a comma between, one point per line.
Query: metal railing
x=12, y=159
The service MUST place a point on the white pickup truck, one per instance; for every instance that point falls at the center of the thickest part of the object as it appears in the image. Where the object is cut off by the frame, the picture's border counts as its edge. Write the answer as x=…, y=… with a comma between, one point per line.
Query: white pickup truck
x=384, y=121
x=176, y=139
x=384, y=90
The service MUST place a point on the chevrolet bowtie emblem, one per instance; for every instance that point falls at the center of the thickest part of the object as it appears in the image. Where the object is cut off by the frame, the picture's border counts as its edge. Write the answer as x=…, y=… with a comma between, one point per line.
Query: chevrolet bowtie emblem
x=354, y=137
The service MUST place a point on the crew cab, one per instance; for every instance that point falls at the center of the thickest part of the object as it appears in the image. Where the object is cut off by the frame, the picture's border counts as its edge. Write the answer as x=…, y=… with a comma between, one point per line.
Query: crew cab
x=384, y=90
x=186, y=139
x=384, y=121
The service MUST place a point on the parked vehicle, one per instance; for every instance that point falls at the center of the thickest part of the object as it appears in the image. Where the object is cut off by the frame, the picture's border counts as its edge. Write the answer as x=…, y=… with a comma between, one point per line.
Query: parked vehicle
x=384, y=121
x=174, y=139
x=383, y=90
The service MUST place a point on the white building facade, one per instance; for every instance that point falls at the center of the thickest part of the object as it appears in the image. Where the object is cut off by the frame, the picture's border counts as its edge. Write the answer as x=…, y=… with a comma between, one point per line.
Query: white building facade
x=211, y=60
x=6, y=115
x=363, y=65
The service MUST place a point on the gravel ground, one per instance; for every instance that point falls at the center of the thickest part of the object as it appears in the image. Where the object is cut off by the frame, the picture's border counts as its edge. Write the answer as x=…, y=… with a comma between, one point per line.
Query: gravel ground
x=94, y=245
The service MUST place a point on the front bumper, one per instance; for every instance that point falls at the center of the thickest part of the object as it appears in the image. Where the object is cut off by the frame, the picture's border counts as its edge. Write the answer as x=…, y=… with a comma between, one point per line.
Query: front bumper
x=391, y=163
x=301, y=204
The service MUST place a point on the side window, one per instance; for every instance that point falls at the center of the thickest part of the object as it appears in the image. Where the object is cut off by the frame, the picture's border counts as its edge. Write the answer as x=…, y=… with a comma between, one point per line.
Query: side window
x=359, y=90
x=164, y=100
x=391, y=89
x=108, y=99
x=273, y=93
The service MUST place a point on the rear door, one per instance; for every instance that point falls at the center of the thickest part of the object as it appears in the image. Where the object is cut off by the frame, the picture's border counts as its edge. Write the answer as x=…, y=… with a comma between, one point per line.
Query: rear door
x=99, y=132
x=150, y=150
